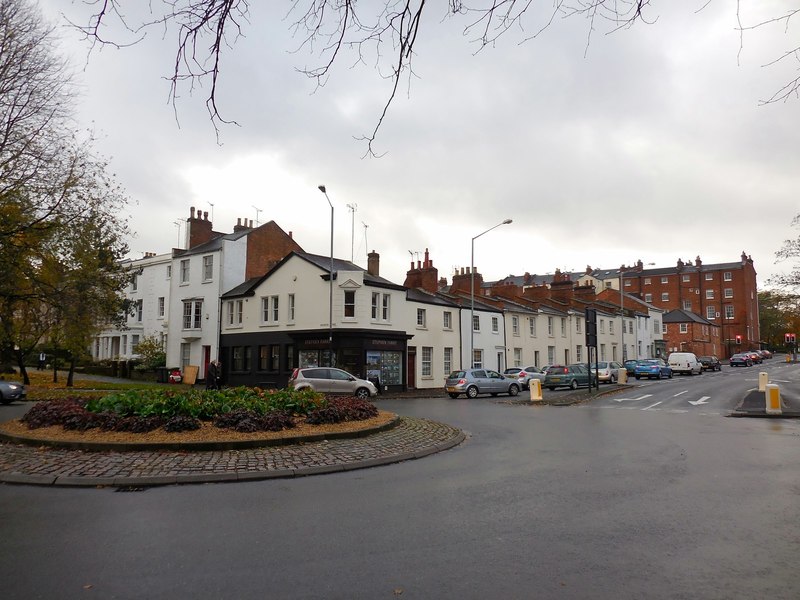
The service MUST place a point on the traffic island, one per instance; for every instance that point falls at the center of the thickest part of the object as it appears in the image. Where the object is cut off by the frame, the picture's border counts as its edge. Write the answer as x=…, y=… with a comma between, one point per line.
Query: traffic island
x=754, y=404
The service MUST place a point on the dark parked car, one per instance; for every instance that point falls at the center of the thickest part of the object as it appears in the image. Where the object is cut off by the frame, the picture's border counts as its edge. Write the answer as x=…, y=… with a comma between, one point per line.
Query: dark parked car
x=10, y=391
x=740, y=360
x=630, y=366
x=570, y=376
x=710, y=363
x=652, y=368
x=472, y=382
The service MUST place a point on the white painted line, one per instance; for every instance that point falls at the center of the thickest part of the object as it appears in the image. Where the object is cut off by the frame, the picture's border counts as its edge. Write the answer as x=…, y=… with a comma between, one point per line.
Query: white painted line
x=702, y=400
x=652, y=405
x=680, y=393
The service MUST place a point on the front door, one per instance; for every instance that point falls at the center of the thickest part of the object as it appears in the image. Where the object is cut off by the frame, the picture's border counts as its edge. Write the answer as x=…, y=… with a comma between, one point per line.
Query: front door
x=206, y=359
x=412, y=368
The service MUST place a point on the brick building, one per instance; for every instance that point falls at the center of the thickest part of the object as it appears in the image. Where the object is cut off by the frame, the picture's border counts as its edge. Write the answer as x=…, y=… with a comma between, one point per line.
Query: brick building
x=724, y=295
x=685, y=331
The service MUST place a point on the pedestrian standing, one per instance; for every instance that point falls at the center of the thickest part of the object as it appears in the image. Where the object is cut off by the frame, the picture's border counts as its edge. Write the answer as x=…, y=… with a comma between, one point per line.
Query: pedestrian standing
x=218, y=375
x=211, y=376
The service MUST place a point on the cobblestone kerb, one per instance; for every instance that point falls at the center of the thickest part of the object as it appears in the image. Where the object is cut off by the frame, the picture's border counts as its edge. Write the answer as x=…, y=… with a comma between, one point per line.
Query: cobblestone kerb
x=410, y=438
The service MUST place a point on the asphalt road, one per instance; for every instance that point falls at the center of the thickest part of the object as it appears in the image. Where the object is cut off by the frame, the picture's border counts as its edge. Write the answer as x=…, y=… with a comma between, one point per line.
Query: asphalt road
x=589, y=501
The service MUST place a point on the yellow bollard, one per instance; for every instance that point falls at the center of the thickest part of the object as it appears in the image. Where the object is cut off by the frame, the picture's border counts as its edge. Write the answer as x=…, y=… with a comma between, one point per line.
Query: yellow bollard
x=622, y=375
x=773, y=396
x=763, y=380
x=788, y=358
x=535, y=387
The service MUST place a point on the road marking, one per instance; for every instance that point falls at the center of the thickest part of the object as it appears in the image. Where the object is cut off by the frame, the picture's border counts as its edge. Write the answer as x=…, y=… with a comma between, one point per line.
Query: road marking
x=680, y=393
x=652, y=405
x=632, y=399
x=702, y=400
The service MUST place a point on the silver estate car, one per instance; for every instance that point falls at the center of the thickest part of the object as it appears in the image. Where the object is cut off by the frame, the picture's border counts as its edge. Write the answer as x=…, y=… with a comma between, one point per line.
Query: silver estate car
x=331, y=381
x=472, y=382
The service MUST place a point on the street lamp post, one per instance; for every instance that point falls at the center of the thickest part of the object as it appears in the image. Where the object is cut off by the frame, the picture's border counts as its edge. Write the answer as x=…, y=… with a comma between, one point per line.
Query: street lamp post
x=330, y=285
x=472, y=293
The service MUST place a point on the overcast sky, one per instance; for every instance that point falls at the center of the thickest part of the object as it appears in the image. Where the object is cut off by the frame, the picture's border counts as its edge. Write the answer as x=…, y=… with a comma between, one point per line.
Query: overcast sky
x=648, y=144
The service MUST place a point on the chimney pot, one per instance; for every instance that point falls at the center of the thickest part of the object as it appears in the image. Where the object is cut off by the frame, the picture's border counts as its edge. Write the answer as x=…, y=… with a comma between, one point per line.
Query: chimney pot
x=191, y=212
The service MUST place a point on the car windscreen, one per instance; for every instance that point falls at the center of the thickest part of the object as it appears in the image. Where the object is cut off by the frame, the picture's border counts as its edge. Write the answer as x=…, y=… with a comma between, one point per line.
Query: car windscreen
x=456, y=375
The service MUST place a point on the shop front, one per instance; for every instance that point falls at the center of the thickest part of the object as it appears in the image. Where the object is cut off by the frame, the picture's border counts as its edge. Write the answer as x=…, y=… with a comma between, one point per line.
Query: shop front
x=377, y=356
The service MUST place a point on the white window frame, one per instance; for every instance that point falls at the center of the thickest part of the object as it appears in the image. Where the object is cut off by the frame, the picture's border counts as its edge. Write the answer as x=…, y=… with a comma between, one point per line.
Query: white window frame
x=376, y=300
x=447, y=319
x=515, y=325
x=422, y=318
x=727, y=276
x=208, y=267
x=139, y=310
x=648, y=298
x=709, y=277
x=687, y=305
x=476, y=322
x=161, y=306
x=683, y=327
x=730, y=312
x=239, y=311
x=495, y=325
x=665, y=296
x=532, y=326
x=290, y=308
x=185, y=271
x=192, y=314
x=665, y=280
x=550, y=326
x=517, y=357
x=563, y=327
x=386, y=307
x=710, y=312
x=709, y=294
x=477, y=358
x=447, y=360
x=349, y=302
x=728, y=292
x=427, y=361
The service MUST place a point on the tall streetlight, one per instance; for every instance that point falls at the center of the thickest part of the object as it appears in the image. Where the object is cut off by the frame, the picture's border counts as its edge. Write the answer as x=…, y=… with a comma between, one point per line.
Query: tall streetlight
x=330, y=285
x=472, y=293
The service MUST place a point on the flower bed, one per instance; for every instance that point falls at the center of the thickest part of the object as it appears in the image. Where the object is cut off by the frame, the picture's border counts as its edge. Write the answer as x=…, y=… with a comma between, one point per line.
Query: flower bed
x=238, y=409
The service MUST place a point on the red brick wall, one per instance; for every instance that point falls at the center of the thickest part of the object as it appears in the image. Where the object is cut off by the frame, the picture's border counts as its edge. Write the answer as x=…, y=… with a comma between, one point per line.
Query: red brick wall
x=266, y=246
x=692, y=285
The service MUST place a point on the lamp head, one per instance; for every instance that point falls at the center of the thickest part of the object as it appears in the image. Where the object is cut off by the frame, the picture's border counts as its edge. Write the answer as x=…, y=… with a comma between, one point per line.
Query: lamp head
x=321, y=188
x=507, y=221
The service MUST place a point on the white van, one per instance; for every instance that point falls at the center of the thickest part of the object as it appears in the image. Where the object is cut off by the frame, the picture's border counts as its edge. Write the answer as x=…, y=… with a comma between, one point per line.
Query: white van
x=685, y=363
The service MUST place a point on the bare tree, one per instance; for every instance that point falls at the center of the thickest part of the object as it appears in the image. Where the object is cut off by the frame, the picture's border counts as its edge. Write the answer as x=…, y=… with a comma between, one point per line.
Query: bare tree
x=52, y=187
x=790, y=250
x=388, y=35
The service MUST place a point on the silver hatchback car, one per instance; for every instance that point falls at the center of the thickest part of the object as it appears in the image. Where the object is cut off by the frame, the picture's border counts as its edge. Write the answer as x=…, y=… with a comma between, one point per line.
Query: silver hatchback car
x=472, y=382
x=331, y=381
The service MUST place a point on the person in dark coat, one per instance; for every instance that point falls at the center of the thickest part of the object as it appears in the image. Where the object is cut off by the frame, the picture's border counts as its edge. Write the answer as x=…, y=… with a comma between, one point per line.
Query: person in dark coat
x=212, y=376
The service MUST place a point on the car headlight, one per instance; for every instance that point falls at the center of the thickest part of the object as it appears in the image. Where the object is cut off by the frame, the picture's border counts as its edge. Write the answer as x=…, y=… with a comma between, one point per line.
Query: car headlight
x=14, y=387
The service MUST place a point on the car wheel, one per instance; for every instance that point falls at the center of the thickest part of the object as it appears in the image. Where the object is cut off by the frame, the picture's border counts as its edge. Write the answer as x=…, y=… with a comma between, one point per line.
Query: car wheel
x=551, y=388
x=513, y=390
x=453, y=395
x=472, y=391
x=362, y=393
x=573, y=385
x=660, y=375
x=638, y=377
x=613, y=379
x=670, y=374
